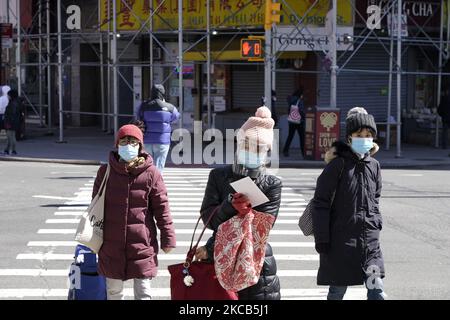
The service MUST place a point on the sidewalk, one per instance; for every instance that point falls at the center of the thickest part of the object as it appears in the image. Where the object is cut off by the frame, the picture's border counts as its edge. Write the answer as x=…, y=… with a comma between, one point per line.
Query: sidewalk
x=92, y=146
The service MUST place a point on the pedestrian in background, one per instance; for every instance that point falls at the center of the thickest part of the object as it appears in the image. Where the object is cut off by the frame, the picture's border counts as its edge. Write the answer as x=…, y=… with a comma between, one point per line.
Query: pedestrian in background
x=444, y=113
x=4, y=100
x=346, y=216
x=296, y=121
x=254, y=142
x=135, y=198
x=158, y=116
x=12, y=121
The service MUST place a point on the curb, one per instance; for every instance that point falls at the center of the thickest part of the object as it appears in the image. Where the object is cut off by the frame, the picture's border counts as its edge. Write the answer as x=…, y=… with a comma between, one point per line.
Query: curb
x=282, y=165
x=43, y=160
x=384, y=165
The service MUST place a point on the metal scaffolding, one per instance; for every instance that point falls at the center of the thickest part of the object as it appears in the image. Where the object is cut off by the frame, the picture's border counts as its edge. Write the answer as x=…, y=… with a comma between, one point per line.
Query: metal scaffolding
x=366, y=35
x=50, y=45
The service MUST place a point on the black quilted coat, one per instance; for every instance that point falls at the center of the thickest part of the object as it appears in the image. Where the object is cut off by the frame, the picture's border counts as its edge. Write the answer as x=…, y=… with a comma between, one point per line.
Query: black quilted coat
x=217, y=190
x=352, y=225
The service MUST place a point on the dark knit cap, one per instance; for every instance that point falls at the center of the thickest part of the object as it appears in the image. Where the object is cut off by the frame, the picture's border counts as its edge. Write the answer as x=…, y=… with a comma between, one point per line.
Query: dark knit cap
x=358, y=121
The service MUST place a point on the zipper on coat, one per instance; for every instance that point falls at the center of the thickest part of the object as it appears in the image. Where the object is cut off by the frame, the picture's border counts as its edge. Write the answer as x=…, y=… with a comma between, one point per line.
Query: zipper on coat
x=365, y=218
x=126, y=220
x=364, y=242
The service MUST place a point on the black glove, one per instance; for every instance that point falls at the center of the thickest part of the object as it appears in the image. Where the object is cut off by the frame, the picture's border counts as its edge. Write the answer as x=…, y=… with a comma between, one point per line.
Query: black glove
x=322, y=248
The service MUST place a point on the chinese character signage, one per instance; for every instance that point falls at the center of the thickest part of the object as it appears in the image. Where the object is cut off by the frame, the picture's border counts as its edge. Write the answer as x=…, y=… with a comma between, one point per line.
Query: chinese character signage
x=132, y=14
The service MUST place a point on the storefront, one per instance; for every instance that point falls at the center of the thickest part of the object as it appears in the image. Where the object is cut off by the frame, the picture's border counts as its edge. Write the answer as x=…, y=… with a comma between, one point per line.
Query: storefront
x=421, y=21
x=357, y=86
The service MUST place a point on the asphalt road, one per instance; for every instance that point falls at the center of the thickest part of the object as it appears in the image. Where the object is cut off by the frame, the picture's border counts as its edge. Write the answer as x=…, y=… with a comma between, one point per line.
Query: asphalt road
x=34, y=196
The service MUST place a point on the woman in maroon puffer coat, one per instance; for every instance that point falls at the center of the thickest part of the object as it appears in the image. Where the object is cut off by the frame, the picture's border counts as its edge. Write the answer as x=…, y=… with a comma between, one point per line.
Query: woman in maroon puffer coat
x=135, y=198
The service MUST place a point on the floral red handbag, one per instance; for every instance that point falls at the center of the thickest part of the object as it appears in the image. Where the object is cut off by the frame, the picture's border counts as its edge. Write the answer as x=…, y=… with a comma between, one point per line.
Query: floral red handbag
x=197, y=280
x=240, y=248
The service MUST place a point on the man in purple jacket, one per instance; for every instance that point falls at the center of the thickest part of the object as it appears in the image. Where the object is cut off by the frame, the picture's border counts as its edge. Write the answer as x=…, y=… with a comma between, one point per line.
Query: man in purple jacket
x=158, y=115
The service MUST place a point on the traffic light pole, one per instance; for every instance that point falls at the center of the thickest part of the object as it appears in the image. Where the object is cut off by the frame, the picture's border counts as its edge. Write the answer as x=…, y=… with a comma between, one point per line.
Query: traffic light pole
x=333, y=44
x=272, y=15
x=268, y=68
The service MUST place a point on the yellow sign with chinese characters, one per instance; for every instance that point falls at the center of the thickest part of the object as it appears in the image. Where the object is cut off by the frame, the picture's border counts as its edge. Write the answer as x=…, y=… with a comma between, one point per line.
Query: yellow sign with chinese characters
x=133, y=14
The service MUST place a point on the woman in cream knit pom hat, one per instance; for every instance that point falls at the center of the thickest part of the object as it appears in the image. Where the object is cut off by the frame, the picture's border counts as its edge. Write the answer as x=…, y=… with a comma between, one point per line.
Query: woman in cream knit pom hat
x=254, y=141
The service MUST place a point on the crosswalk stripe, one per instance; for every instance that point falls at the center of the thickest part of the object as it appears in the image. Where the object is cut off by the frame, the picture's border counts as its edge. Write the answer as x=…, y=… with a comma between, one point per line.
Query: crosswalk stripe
x=34, y=273
x=352, y=293
x=55, y=243
x=68, y=213
x=285, y=206
x=72, y=208
x=196, y=209
x=161, y=273
x=180, y=244
x=56, y=231
x=195, y=213
x=67, y=221
x=180, y=221
x=163, y=257
x=200, y=195
x=177, y=231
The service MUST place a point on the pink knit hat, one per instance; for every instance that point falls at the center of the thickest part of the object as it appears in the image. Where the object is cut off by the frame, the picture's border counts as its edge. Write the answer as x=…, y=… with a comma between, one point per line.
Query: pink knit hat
x=258, y=129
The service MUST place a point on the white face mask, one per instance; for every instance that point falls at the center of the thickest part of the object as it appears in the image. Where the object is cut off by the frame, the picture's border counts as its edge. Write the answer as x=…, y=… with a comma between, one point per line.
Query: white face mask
x=128, y=152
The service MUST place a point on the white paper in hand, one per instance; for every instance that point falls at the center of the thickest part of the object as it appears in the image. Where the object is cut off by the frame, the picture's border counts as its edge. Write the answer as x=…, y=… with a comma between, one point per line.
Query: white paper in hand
x=247, y=187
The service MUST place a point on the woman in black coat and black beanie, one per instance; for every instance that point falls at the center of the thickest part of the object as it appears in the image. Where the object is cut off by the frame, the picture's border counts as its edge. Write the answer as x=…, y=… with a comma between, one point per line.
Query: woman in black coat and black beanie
x=254, y=141
x=346, y=216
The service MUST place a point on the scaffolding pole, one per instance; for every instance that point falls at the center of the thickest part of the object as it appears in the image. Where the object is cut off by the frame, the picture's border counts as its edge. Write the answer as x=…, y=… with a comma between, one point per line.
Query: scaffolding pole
x=60, y=75
x=439, y=85
x=41, y=77
x=208, y=63
x=399, y=77
x=102, y=69
x=7, y=12
x=391, y=62
x=268, y=68
x=108, y=71
x=49, y=72
x=333, y=51
x=150, y=31
x=180, y=60
x=18, y=50
x=274, y=72
x=115, y=88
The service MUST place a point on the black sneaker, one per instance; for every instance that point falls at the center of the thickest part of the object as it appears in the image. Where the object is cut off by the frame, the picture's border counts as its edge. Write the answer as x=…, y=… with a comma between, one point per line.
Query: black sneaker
x=14, y=153
x=6, y=152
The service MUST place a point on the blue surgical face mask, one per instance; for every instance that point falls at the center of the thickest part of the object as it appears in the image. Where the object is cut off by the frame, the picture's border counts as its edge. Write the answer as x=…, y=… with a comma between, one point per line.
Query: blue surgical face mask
x=249, y=159
x=128, y=152
x=362, y=145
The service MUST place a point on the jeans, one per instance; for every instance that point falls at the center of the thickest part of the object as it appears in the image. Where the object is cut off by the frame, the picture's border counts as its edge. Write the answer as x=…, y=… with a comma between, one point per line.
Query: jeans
x=300, y=128
x=159, y=154
x=114, y=289
x=11, y=138
x=338, y=292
